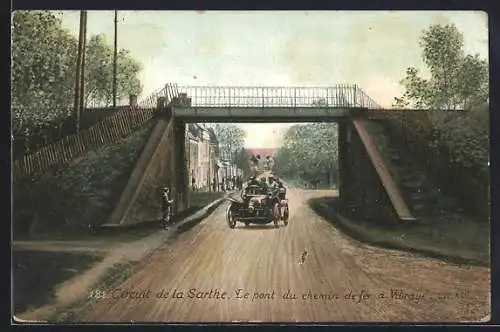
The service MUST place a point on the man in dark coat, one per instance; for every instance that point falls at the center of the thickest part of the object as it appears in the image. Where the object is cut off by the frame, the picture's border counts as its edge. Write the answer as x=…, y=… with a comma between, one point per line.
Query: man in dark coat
x=166, y=207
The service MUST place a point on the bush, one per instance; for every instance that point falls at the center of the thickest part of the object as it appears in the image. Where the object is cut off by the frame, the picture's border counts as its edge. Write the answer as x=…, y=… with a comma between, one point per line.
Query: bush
x=455, y=148
x=82, y=195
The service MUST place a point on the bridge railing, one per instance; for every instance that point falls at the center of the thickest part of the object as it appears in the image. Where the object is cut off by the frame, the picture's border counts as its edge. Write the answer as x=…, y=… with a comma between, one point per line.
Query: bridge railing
x=338, y=96
x=169, y=91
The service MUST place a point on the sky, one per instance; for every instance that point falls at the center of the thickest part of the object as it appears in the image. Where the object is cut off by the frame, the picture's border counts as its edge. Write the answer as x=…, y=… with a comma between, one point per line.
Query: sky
x=279, y=48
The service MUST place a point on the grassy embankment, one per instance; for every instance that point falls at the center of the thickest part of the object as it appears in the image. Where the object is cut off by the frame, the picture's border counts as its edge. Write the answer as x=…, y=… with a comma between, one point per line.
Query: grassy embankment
x=70, y=205
x=443, y=231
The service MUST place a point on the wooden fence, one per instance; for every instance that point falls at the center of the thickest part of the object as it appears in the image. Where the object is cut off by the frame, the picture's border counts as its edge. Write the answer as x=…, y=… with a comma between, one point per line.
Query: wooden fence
x=59, y=153
x=41, y=137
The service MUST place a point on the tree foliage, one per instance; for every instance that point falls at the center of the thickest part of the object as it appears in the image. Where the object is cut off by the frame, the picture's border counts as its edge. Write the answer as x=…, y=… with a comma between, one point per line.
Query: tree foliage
x=457, y=80
x=241, y=160
x=308, y=152
x=99, y=73
x=231, y=139
x=43, y=73
x=43, y=67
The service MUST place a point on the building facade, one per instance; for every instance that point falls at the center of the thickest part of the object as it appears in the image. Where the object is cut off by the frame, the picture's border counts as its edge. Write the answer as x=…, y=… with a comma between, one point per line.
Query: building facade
x=202, y=149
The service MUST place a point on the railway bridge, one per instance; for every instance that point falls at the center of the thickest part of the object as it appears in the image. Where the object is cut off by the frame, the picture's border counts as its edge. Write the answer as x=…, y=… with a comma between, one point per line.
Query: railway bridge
x=365, y=183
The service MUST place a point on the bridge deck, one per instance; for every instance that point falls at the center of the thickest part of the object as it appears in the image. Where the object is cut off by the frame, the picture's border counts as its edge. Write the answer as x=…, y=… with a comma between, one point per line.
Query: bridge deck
x=256, y=114
x=286, y=114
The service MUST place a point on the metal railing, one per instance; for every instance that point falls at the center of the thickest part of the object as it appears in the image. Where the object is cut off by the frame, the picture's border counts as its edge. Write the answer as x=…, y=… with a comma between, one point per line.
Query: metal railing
x=338, y=96
x=169, y=92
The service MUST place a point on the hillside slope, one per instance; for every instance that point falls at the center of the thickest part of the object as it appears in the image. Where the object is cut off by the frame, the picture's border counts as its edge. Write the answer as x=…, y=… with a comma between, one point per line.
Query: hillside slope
x=81, y=196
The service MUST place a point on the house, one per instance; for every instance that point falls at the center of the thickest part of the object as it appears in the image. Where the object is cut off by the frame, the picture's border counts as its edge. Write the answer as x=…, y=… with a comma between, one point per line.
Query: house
x=202, y=151
x=228, y=169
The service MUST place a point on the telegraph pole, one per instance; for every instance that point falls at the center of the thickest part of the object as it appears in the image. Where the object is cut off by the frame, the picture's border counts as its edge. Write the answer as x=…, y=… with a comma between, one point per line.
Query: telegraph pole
x=82, y=70
x=76, y=109
x=114, y=59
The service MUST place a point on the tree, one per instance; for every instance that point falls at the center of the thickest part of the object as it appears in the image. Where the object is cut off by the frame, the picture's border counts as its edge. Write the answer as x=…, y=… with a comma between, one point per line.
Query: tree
x=460, y=141
x=231, y=139
x=457, y=81
x=127, y=81
x=99, y=73
x=308, y=152
x=43, y=74
x=43, y=66
x=241, y=160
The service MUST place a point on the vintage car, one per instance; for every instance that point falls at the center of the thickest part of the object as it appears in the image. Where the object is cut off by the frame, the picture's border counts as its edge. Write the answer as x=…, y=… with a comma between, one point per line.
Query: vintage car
x=253, y=207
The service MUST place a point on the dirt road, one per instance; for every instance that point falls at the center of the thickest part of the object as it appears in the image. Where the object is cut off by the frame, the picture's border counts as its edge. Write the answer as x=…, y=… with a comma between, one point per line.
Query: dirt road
x=339, y=279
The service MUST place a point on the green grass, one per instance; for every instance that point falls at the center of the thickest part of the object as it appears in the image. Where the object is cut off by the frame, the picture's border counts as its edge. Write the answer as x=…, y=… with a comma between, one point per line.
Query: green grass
x=114, y=276
x=80, y=197
x=37, y=273
x=464, y=242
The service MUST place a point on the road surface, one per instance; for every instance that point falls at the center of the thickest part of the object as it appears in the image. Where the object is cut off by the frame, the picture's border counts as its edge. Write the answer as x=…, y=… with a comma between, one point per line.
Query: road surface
x=340, y=280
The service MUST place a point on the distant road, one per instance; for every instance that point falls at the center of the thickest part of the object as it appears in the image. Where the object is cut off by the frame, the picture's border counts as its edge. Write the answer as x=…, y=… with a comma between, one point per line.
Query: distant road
x=211, y=256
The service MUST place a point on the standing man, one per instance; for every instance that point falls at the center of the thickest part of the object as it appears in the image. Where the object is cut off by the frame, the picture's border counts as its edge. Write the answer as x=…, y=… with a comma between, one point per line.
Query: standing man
x=214, y=185
x=166, y=207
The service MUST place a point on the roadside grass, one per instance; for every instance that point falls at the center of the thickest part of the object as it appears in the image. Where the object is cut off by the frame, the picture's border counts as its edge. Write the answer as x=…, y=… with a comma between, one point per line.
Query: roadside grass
x=69, y=205
x=119, y=273
x=114, y=276
x=35, y=274
x=464, y=241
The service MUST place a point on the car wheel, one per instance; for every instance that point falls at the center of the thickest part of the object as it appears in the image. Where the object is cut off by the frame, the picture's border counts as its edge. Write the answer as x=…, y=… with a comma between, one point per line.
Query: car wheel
x=285, y=215
x=276, y=215
x=230, y=217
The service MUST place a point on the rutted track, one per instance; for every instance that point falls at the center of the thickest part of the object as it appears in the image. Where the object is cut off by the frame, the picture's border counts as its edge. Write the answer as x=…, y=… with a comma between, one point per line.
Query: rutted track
x=262, y=258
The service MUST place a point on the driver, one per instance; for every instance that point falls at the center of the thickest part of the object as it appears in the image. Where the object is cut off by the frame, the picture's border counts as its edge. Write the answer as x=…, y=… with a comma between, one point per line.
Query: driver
x=244, y=192
x=251, y=181
x=263, y=186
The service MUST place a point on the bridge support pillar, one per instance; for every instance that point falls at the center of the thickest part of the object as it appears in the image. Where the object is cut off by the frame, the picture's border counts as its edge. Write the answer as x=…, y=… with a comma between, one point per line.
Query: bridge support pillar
x=345, y=165
x=362, y=194
x=178, y=165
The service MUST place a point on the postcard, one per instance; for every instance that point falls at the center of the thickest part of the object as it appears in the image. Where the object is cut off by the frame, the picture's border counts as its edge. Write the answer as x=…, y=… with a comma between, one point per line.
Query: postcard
x=260, y=166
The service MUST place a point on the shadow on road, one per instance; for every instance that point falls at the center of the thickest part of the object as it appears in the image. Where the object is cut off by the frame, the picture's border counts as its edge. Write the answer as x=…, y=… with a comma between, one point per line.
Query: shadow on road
x=256, y=227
